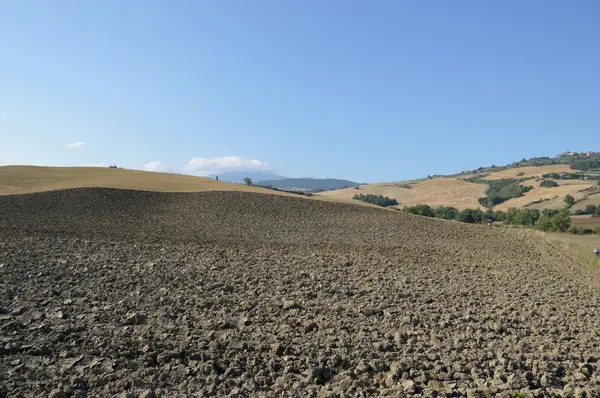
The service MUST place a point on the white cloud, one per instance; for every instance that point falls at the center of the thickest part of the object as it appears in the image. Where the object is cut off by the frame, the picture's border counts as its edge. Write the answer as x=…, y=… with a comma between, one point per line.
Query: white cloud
x=155, y=165
x=75, y=144
x=204, y=166
x=3, y=113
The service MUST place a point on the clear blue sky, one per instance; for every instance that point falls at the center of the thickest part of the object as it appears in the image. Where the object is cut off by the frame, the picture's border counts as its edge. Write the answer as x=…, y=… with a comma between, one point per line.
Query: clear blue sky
x=368, y=91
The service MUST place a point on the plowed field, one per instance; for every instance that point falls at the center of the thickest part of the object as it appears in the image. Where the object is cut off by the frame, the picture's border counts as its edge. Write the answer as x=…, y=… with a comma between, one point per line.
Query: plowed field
x=111, y=292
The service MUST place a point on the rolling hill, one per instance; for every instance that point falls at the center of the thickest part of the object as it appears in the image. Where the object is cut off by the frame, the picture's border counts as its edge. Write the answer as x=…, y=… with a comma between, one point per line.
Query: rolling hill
x=28, y=179
x=460, y=192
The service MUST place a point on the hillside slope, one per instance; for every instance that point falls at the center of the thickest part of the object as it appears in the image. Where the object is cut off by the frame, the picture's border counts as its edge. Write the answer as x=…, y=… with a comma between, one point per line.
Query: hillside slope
x=460, y=193
x=237, y=293
x=435, y=192
x=29, y=179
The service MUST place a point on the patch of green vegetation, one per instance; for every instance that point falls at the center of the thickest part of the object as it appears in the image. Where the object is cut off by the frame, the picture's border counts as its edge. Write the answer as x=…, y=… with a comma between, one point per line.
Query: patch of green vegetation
x=378, y=200
x=548, y=184
x=499, y=191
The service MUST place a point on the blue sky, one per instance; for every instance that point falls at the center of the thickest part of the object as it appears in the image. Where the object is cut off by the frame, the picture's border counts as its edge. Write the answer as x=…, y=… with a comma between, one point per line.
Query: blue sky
x=368, y=91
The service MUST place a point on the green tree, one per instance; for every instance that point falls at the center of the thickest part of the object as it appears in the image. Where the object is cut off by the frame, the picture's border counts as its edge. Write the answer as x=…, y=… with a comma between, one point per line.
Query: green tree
x=548, y=184
x=378, y=200
x=421, y=210
x=549, y=212
x=511, y=215
x=590, y=209
x=569, y=201
x=447, y=213
x=248, y=181
x=470, y=216
x=544, y=223
x=561, y=221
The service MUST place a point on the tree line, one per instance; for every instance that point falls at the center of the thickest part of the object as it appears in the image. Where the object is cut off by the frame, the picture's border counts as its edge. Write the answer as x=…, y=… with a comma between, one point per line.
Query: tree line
x=548, y=220
x=378, y=200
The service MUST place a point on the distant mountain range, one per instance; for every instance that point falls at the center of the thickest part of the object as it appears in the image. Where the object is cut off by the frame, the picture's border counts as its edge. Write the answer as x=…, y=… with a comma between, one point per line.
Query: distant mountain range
x=308, y=184
x=277, y=181
x=237, y=177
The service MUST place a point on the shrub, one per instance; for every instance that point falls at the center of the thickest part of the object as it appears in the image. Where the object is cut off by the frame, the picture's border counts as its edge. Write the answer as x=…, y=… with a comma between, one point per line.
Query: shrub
x=520, y=173
x=549, y=212
x=522, y=216
x=544, y=223
x=548, y=184
x=378, y=200
x=470, y=216
x=591, y=209
x=421, y=210
x=561, y=221
x=574, y=230
x=498, y=216
x=569, y=201
x=579, y=212
x=499, y=191
x=447, y=213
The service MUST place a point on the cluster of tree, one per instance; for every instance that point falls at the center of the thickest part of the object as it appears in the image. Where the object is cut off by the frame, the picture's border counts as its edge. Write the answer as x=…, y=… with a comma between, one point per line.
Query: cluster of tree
x=378, y=200
x=589, y=209
x=583, y=231
x=516, y=216
x=586, y=163
x=569, y=201
x=559, y=221
x=548, y=184
x=499, y=191
x=450, y=213
x=570, y=176
x=545, y=220
x=548, y=220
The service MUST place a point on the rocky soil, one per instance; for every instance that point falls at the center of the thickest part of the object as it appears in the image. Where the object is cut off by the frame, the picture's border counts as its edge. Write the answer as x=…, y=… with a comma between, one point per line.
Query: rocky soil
x=122, y=293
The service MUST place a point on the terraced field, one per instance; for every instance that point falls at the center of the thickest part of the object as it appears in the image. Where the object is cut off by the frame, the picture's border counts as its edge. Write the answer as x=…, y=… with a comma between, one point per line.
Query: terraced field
x=109, y=292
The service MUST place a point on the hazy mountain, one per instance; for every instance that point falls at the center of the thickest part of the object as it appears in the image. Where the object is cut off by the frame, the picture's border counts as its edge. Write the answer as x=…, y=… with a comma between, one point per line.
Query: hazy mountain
x=307, y=184
x=238, y=176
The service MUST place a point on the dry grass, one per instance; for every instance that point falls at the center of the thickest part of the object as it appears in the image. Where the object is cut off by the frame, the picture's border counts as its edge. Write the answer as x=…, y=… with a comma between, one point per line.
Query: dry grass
x=435, y=192
x=580, y=247
x=396, y=190
x=554, y=197
x=592, y=199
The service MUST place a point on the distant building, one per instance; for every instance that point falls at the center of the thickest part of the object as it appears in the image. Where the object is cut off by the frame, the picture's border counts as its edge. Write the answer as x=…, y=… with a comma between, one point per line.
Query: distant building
x=568, y=153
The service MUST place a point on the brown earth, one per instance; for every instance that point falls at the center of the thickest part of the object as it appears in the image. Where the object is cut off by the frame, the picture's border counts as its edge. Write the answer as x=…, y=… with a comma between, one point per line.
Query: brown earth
x=107, y=292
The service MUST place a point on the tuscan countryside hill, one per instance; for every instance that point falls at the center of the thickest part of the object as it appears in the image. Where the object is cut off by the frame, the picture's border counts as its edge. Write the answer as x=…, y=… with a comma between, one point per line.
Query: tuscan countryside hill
x=462, y=192
x=31, y=179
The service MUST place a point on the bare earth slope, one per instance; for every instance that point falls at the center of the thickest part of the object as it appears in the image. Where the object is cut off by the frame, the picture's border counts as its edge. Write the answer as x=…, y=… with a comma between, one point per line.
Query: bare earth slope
x=240, y=294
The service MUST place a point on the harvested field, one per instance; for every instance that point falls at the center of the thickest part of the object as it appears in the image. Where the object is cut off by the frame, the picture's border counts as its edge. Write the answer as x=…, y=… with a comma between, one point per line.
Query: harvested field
x=593, y=198
x=586, y=221
x=31, y=179
x=553, y=197
x=241, y=294
x=434, y=192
